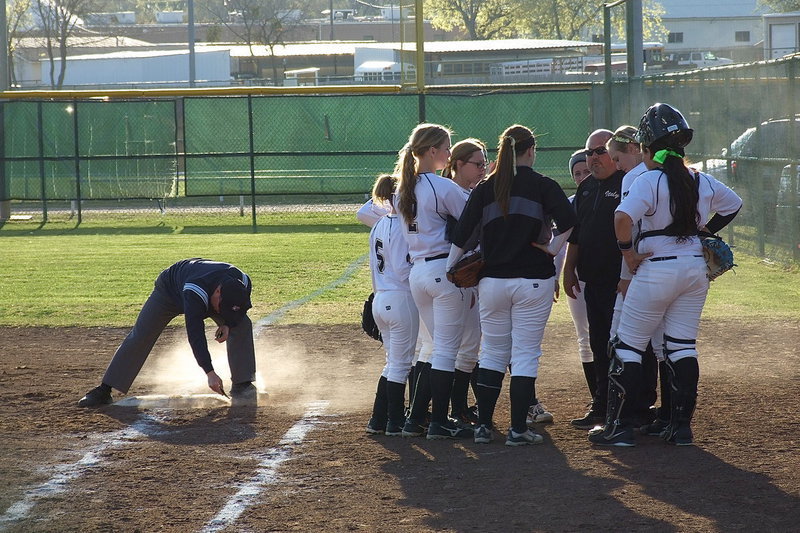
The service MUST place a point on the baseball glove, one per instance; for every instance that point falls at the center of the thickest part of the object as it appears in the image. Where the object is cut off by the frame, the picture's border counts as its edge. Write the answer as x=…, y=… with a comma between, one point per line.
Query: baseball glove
x=368, y=321
x=467, y=272
x=718, y=255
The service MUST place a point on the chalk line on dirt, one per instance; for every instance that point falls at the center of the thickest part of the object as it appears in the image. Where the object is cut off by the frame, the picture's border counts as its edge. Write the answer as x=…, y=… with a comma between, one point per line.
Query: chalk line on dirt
x=144, y=426
x=267, y=472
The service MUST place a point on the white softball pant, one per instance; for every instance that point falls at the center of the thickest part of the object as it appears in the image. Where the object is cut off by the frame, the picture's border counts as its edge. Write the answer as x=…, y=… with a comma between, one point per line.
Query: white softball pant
x=470, y=340
x=577, y=308
x=513, y=316
x=398, y=319
x=672, y=291
x=441, y=308
x=658, y=336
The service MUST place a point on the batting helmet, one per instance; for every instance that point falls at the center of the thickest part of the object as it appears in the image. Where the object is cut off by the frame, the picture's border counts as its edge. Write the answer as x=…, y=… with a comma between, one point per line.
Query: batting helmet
x=663, y=120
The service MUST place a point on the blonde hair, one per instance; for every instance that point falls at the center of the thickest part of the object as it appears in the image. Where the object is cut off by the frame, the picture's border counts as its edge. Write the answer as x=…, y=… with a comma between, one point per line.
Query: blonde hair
x=515, y=140
x=383, y=188
x=623, y=137
x=422, y=138
x=462, y=151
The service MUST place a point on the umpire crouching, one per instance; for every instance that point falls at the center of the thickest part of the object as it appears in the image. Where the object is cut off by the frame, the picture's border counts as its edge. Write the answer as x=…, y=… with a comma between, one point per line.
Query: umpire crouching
x=198, y=289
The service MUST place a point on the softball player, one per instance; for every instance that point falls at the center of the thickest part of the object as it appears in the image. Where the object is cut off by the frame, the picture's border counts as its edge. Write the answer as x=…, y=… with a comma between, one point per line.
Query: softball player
x=627, y=155
x=577, y=306
x=668, y=204
x=424, y=202
x=511, y=209
x=466, y=167
x=394, y=311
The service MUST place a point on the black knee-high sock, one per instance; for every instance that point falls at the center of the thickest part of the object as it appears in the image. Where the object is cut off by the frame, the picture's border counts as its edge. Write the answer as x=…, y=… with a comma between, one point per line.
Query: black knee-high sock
x=441, y=389
x=520, y=392
x=590, y=376
x=458, y=398
x=665, y=388
x=534, y=400
x=473, y=381
x=380, y=407
x=395, y=401
x=422, y=393
x=489, y=383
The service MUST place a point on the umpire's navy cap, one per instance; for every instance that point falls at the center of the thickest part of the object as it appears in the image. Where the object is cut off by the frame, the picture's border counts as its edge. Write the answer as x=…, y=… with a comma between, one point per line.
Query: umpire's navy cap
x=234, y=302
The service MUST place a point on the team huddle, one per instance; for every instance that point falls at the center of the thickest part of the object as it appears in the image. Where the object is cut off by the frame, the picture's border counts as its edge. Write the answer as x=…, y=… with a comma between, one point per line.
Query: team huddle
x=628, y=247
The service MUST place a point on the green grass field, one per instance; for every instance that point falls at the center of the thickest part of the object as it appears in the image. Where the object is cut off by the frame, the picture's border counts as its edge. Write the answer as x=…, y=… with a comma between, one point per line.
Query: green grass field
x=100, y=273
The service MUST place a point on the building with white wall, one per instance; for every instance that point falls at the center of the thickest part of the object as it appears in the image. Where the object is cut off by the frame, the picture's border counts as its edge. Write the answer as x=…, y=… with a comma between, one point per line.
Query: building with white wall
x=729, y=28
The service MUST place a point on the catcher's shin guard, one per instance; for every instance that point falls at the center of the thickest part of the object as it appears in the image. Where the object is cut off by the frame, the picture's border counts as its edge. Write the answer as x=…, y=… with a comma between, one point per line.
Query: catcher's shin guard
x=685, y=375
x=623, y=389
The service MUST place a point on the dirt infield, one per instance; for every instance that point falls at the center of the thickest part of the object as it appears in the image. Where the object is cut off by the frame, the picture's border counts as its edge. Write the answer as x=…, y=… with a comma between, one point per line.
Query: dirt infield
x=294, y=464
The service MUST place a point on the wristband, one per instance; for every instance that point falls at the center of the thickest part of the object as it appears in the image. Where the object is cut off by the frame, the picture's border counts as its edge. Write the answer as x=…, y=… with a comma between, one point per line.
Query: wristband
x=624, y=245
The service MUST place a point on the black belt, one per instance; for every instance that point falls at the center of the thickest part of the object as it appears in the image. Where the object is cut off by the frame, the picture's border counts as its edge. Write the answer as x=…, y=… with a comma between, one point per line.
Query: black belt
x=435, y=257
x=668, y=258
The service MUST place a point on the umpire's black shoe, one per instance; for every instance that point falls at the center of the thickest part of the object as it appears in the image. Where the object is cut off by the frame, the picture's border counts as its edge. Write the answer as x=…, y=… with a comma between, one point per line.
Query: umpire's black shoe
x=244, y=393
x=589, y=420
x=96, y=397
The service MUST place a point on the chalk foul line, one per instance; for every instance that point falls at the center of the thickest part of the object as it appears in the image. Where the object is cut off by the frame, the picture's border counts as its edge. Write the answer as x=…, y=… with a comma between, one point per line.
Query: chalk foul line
x=267, y=472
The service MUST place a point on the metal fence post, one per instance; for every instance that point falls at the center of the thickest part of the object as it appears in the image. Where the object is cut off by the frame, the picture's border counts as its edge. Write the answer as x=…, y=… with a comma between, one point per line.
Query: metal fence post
x=5, y=183
x=793, y=200
x=252, y=161
x=76, y=133
x=42, y=175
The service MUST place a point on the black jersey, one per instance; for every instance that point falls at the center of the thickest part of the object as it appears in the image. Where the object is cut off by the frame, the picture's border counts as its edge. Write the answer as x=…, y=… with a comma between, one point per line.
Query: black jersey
x=535, y=202
x=599, y=259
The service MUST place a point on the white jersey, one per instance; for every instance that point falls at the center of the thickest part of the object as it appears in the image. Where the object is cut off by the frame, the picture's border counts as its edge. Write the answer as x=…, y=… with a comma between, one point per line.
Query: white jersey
x=369, y=213
x=437, y=197
x=388, y=255
x=627, y=181
x=647, y=203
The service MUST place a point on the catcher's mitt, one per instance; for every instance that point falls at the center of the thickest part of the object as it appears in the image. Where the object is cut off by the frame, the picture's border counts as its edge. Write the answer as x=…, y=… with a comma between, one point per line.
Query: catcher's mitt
x=368, y=321
x=718, y=255
x=466, y=273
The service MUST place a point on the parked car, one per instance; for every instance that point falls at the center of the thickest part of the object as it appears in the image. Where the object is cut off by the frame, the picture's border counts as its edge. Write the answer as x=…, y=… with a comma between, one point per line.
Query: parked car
x=758, y=158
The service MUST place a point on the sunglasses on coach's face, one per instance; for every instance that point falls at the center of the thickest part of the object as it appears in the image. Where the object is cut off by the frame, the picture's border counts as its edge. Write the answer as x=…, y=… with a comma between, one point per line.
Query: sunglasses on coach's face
x=600, y=150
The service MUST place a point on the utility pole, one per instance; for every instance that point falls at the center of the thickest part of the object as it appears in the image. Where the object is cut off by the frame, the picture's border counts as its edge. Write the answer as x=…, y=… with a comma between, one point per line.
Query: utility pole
x=190, y=16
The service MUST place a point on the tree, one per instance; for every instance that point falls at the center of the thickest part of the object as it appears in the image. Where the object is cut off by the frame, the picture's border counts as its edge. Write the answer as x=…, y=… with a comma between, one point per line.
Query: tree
x=781, y=6
x=58, y=20
x=19, y=20
x=542, y=19
x=260, y=22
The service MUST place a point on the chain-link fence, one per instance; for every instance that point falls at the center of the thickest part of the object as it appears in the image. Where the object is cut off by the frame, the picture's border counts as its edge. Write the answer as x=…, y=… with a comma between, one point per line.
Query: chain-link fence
x=747, y=131
x=251, y=152
x=271, y=153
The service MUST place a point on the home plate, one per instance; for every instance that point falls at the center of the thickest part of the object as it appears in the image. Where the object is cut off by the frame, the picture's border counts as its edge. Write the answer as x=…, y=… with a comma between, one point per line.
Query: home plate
x=176, y=401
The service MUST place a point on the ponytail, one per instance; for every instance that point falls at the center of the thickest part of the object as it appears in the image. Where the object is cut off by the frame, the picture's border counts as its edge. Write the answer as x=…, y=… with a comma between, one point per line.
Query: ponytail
x=514, y=140
x=422, y=139
x=683, y=191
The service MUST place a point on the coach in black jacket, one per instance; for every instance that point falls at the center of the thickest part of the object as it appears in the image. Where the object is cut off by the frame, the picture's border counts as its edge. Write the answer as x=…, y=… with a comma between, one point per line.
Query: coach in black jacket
x=198, y=289
x=594, y=255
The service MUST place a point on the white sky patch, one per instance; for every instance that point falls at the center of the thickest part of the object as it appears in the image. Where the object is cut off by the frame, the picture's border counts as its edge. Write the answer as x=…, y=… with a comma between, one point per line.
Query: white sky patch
x=267, y=472
x=144, y=426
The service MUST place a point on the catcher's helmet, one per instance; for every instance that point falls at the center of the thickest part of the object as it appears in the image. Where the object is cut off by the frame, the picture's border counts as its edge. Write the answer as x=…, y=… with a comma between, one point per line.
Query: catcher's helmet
x=662, y=120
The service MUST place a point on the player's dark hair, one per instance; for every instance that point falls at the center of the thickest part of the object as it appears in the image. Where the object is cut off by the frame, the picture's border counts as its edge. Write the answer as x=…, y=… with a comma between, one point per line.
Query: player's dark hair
x=514, y=141
x=683, y=189
x=462, y=151
x=383, y=188
x=422, y=138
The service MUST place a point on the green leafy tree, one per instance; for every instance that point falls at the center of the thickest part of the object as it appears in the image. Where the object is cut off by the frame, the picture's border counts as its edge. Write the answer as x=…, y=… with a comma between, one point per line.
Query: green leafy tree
x=781, y=6
x=542, y=19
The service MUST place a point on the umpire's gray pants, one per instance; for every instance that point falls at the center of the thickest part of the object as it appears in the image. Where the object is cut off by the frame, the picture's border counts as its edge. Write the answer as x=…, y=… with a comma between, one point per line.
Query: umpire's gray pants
x=156, y=313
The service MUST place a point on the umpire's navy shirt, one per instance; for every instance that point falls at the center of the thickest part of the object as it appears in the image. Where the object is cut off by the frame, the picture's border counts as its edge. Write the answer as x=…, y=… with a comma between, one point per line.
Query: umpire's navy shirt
x=599, y=258
x=189, y=284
